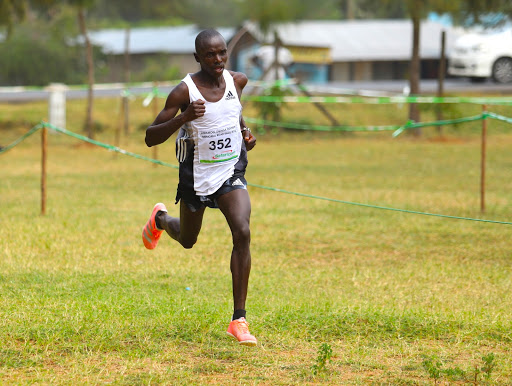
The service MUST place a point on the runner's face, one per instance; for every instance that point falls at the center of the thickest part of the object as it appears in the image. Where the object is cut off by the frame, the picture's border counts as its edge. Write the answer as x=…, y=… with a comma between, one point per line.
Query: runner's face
x=213, y=56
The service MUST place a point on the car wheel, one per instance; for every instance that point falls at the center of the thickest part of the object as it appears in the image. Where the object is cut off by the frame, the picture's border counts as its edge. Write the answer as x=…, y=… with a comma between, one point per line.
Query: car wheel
x=502, y=70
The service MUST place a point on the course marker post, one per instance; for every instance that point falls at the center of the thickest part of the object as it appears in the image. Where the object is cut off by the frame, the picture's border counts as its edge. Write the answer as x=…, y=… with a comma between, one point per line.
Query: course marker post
x=126, y=114
x=440, y=81
x=117, y=138
x=482, y=158
x=44, y=152
x=155, y=113
x=57, y=104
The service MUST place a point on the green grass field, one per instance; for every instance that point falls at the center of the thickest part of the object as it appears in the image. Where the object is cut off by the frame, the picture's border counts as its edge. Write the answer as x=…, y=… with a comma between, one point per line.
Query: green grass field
x=399, y=298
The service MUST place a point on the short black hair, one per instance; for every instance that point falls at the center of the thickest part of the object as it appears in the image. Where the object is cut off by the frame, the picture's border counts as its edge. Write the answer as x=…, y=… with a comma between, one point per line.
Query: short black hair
x=205, y=36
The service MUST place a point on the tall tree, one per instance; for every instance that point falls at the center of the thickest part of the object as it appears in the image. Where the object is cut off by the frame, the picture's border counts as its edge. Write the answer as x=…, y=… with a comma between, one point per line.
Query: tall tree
x=81, y=7
x=416, y=9
x=12, y=9
x=460, y=9
x=371, y=9
x=10, y=12
x=267, y=12
x=135, y=11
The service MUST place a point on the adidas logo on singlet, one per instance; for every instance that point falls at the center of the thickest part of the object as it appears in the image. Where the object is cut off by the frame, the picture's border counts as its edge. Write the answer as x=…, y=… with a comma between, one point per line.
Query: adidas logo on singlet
x=237, y=182
x=230, y=96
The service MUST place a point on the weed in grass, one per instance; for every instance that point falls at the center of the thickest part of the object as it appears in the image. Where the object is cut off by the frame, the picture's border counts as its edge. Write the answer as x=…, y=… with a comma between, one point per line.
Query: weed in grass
x=433, y=366
x=455, y=373
x=486, y=369
x=324, y=356
x=489, y=365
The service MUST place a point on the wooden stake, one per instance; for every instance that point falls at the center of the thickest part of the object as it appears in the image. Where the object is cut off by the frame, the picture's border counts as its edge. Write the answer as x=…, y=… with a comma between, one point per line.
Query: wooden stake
x=155, y=113
x=44, y=143
x=440, y=80
x=119, y=127
x=126, y=76
x=126, y=115
x=482, y=161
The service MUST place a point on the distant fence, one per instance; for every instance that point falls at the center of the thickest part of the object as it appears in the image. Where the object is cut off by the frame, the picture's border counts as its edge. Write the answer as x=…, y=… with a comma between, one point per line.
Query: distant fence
x=44, y=126
x=57, y=114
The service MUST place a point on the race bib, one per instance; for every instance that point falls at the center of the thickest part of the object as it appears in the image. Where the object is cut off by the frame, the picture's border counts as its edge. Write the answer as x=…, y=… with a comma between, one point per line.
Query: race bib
x=219, y=145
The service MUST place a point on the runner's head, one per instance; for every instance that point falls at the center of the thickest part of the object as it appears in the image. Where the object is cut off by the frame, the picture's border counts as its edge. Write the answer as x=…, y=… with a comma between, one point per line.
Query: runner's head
x=211, y=52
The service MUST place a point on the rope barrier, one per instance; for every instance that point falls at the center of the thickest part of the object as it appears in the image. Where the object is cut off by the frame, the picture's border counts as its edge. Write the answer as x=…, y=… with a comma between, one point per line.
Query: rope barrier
x=106, y=146
x=366, y=98
x=298, y=126
x=22, y=138
x=122, y=151
x=396, y=128
x=415, y=125
x=358, y=97
x=378, y=100
x=499, y=117
x=379, y=207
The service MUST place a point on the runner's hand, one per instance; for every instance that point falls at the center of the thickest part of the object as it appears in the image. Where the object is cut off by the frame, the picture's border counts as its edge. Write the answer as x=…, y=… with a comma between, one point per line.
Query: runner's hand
x=195, y=110
x=250, y=140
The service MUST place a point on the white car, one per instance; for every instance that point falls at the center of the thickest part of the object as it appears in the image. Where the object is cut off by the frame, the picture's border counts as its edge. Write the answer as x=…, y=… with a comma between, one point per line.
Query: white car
x=483, y=55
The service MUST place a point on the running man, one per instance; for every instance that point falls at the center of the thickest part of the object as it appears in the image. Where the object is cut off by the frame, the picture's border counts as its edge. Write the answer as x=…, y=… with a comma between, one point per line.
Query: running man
x=212, y=147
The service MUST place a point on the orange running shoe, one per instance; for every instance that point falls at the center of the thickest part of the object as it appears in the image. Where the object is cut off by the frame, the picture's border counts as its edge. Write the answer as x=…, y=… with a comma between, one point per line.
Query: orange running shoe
x=239, y=329
x=150, y=233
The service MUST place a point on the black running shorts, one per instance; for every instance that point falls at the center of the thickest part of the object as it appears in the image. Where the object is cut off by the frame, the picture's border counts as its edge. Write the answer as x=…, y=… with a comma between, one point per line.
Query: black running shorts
x=186, y=190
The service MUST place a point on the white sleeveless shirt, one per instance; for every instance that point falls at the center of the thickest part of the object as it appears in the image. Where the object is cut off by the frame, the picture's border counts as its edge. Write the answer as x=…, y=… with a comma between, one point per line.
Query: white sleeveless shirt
x=217, y=137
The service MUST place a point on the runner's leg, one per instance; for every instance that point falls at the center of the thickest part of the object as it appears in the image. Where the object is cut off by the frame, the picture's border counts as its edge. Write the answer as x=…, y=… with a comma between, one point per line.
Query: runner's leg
x=236, y=207
x=183, y=229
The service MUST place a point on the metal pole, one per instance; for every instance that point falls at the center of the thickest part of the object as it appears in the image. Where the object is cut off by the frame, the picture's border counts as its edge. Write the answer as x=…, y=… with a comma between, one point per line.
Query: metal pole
x=482, y=161
x=44, y=142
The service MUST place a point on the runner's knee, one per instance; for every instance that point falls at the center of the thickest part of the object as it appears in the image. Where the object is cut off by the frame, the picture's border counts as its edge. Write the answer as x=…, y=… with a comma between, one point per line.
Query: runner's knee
x=188, y=243
x=242, y=234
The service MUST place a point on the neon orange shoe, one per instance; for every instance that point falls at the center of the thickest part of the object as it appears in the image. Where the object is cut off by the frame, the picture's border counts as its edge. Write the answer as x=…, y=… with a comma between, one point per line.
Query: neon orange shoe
x=150, y=233
x=239, y=329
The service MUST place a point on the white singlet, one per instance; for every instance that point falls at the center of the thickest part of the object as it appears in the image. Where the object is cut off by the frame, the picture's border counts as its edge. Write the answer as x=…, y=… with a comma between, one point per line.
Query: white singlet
x=217, y=137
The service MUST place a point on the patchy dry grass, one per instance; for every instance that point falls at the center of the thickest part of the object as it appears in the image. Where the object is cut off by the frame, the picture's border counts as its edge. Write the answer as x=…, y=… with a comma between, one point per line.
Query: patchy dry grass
x=81, y=301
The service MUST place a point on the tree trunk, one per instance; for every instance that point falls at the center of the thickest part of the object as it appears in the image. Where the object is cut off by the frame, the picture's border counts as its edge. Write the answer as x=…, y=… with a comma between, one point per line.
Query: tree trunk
x=90, y=73
x=414, y=70
x=349, y=9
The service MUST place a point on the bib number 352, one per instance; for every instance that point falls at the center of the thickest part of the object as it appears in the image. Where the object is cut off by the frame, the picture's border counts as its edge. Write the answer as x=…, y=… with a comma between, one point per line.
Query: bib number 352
x=222, y=143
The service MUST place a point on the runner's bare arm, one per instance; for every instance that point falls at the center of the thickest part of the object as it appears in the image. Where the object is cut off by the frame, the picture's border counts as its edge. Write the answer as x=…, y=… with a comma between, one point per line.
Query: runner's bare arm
x=240, y=82
x=167, y=122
